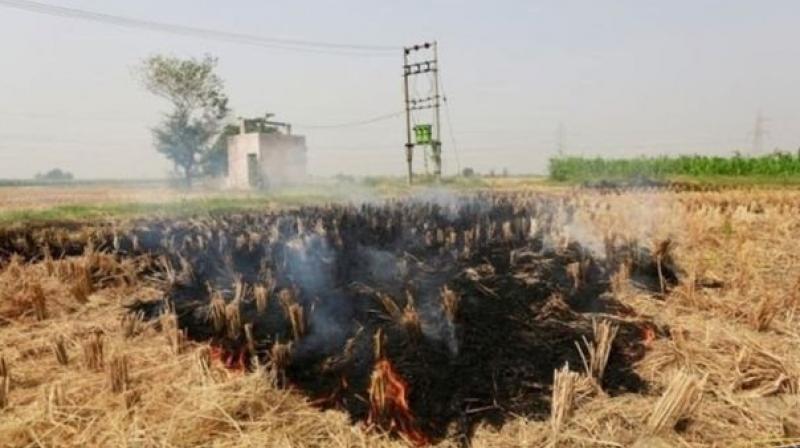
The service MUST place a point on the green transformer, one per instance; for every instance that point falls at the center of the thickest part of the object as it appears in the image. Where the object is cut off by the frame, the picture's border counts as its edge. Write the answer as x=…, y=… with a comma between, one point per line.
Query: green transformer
x=423, y=134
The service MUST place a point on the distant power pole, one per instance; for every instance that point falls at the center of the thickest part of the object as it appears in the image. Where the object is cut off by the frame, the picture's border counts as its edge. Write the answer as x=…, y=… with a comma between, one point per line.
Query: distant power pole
x=561, y=140
x=424, y=134
x=759, y=132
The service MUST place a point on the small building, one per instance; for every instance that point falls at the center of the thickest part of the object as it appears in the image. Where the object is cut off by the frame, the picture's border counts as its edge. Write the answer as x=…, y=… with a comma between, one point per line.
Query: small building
x=265, y=154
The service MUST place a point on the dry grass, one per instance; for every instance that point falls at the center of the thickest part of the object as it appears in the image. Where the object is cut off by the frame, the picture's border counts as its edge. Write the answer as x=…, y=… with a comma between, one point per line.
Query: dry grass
x=217, y=312
x=682, y=396
x=597, y=352
x=118, y=378
x=93, y=351
x=5, y=386
x=60, y=351
x=5, y=383
x=564, y=386
x=726, y=374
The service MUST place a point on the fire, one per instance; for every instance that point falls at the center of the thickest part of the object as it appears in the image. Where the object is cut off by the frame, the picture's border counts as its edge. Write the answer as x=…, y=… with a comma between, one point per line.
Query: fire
x=233, y=360
x=389, y=409
x=648, y=336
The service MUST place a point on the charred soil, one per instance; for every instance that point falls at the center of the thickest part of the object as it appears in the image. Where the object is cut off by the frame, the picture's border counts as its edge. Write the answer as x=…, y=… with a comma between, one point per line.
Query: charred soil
x=422, y=319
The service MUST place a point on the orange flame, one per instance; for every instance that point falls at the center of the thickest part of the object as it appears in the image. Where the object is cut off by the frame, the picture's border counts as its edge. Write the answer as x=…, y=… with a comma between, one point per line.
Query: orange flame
x=648, y=336
x=389, y=410
x=233, y=360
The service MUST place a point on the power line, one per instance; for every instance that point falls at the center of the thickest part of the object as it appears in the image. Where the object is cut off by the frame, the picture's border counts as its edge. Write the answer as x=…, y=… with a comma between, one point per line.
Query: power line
x=269, y=42
x=130, y=120
x=450, y=128
x=352, y=123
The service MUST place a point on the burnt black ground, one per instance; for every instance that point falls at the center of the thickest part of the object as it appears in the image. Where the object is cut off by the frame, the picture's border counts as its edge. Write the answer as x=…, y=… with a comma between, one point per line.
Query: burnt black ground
x=518, y=318
x=520, y=309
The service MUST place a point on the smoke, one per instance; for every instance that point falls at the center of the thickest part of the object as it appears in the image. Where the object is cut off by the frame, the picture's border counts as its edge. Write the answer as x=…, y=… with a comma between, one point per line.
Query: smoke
x=310, y=266
x=586, y=234
x=383, y=268
x=339, y=263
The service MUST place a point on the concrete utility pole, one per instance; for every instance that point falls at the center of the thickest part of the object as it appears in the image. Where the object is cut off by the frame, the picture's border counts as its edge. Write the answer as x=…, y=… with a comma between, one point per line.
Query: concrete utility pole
x=436, y=146
x=759, y=132
x=409, y=144
x=426, y=134
x=561, y=140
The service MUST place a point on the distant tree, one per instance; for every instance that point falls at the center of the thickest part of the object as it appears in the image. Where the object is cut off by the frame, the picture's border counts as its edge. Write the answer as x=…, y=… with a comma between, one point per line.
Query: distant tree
x=344, y=178
x=187, y=134
x=214, y=162
x=55, y=175
x=468, y=172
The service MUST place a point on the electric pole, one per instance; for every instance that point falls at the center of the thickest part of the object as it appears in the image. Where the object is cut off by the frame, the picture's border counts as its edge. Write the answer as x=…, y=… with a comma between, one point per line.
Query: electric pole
x=561, y=140
x=409, y=145
x=425, y=134
x=436, y=146
x=759, y=132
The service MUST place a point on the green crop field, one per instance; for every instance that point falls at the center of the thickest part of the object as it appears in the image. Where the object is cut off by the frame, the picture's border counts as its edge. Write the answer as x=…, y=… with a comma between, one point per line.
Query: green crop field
x=774, y=166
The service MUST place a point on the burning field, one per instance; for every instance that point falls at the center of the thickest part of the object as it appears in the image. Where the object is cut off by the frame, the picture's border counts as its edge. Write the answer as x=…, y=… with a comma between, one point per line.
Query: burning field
x=519, y=318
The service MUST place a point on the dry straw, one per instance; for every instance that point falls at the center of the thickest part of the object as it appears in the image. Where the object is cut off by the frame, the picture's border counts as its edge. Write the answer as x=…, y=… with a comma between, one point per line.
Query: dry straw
x=118, y=378
x=93, y=351
x=4, y=367
x=661, y=252
x=82, y=286
x=203, y=359
x=216, y=312
x=565, y=384
x=60, y=350
x=38, y=301
x=261, y=294
x=765, y=312
x=294, y=312
x=132, y=324
x=280, y=357
x=411, y=321
x=450, y=302
x=233, y=319
x=5, y=386
x=682, y=396
x=176, y=337
x=55, y=399
x=5, y=383
x=597, y=352
x=297, y=319
x=391, y=307
x=249, y=339
x=48, y=262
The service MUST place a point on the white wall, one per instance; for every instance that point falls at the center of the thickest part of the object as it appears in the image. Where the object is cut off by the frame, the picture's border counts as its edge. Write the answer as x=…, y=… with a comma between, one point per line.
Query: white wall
x=282, y=159
x=239, y=146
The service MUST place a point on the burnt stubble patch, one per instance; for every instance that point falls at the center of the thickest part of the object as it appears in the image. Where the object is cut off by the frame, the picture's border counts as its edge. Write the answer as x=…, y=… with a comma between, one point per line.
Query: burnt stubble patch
x=458, y=310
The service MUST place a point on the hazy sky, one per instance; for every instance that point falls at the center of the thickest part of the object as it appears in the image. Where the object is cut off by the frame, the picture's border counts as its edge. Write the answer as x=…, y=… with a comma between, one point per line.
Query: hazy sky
x=624, y=77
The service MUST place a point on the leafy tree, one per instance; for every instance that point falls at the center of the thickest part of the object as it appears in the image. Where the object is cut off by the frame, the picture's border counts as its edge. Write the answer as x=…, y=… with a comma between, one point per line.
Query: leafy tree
x=55, y=175
x=199, y=107
x=215, y=161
